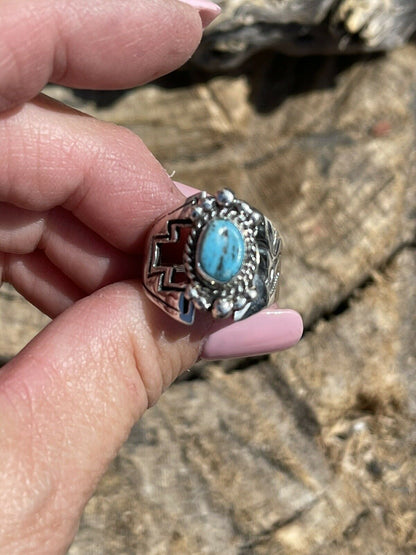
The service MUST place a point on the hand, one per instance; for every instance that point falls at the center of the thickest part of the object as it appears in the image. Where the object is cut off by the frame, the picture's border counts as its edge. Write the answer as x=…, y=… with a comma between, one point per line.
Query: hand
x=77, y=197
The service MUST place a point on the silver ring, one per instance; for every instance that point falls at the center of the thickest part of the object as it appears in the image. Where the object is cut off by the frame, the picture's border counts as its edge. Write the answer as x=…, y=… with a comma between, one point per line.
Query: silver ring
x=214, y=254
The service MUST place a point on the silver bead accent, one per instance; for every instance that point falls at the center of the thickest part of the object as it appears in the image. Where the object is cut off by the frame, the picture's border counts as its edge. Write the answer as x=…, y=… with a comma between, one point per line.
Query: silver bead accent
x=246, y=208
x=191, y=292
x=222, y=308
x=208, y=203
x=224, y=197
x=256, y=217
x=202, y=303
x=196, y=213
x=252, y=294
x=240, y=303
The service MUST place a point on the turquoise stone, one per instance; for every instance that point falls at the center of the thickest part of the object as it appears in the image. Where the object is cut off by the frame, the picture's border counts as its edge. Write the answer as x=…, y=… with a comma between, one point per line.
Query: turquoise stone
x=221, y=250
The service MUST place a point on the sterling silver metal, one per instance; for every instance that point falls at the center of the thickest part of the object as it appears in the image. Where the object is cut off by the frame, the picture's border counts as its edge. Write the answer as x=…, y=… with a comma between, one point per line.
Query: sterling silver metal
x=174, y=279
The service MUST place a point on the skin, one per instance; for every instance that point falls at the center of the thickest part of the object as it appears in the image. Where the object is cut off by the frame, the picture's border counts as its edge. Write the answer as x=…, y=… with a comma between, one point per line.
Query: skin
x=77, y=197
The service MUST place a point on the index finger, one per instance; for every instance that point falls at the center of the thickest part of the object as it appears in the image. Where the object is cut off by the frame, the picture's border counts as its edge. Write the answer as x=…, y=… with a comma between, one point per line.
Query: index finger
x=91, y=44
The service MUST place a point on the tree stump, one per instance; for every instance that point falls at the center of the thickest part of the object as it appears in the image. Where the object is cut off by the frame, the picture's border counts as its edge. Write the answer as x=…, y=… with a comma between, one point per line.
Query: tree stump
x=306, y=451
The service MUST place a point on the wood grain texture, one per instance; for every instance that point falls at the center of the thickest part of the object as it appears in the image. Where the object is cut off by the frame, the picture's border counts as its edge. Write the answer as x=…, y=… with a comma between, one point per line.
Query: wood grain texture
x=304, y=27
x=311, y=450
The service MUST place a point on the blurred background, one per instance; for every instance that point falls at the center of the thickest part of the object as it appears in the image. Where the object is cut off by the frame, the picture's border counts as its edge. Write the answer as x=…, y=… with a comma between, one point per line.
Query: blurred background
x=307, y=110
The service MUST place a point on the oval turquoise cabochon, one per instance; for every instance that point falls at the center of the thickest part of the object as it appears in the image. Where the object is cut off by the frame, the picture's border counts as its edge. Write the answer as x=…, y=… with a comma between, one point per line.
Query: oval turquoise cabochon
x=221, y=250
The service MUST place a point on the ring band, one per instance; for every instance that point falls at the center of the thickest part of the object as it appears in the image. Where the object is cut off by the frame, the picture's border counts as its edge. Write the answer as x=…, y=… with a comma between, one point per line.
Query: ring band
x=214, y=254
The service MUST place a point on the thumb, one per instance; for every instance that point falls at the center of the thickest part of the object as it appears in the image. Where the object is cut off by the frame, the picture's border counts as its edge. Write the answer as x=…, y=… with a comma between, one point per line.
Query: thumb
x=68, y=401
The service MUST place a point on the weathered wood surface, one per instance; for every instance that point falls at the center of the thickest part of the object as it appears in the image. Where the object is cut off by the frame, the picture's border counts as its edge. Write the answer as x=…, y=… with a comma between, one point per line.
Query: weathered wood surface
x=312, y=450
x=304, y=27
x=309, y=452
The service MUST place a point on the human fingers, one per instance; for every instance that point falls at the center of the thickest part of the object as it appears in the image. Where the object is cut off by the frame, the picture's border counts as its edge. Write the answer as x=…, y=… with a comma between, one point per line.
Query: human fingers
x=59, y=238
x=51, y=156
x=67, y=403
x=40, y=282
x=97, y=45
x=53, y=260
x=111, y=188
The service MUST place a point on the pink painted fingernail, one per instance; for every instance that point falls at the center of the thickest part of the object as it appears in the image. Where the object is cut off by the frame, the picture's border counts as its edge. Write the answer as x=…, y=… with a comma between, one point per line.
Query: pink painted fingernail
x=208, y=11
x=272, y=329
x=186, y=189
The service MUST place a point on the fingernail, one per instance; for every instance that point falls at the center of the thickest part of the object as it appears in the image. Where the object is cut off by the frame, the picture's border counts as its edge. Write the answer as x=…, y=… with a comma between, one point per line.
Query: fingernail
x=272, y=329
x=186, y=189
x=208, y=11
